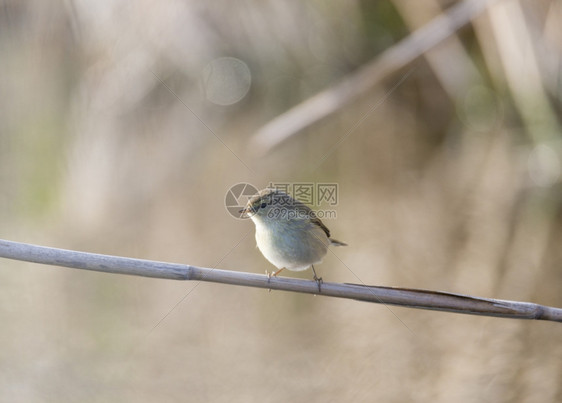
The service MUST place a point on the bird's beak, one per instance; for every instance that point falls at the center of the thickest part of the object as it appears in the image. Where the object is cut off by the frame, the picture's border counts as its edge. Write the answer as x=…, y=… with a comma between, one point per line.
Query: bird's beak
x=247, y=212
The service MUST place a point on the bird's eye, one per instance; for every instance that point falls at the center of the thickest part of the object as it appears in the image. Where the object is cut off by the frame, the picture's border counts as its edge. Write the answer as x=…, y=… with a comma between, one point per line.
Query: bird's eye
x=263, y=205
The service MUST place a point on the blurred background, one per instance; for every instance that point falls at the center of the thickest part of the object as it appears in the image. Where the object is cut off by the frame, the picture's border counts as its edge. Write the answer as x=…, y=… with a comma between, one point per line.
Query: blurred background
x=124, y=124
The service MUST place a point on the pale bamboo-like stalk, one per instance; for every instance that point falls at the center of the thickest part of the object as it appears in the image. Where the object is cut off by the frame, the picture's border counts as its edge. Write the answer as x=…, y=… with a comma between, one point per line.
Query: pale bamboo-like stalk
x=412, y=298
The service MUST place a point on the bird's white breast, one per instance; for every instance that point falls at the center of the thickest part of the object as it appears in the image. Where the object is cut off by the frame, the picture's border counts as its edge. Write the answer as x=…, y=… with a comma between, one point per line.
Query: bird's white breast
x=293, y=247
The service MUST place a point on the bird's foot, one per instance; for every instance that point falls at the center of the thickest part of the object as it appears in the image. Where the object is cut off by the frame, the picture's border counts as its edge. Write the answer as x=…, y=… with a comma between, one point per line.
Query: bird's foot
x=319, y=281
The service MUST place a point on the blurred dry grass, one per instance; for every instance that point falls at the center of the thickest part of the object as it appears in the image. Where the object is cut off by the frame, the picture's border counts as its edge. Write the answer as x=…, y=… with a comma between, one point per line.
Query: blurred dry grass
x=453, y=184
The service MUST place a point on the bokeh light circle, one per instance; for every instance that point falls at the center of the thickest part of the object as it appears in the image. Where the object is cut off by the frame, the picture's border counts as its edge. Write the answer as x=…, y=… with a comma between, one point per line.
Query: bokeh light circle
x=226, y=80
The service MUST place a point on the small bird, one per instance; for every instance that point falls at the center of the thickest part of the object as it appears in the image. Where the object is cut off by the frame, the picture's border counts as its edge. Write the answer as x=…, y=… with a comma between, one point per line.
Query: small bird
x=288, y=233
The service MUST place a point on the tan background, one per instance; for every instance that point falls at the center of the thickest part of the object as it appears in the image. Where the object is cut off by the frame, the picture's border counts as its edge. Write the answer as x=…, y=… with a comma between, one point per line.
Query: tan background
x=452, y=183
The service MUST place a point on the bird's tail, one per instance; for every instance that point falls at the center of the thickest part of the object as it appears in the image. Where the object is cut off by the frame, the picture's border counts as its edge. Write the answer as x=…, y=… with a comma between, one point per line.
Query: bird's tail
x=335, y=242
